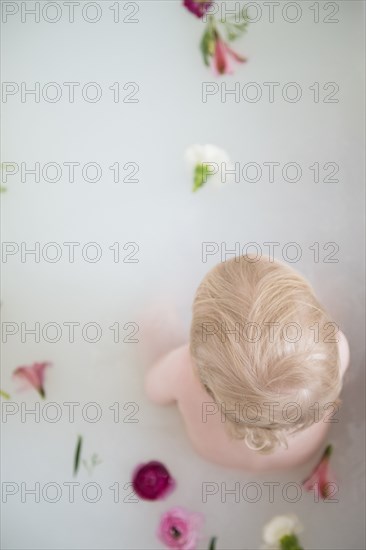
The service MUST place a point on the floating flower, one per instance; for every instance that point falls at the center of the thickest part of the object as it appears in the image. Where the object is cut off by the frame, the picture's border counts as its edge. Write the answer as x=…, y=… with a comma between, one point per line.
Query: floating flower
x=321, y=478
x=152, y=481
x=198, y=7
x=281, y=533
x=207, y=161
x=179, y=528
x=33, y=375
x=222, y=57
x=215, y=50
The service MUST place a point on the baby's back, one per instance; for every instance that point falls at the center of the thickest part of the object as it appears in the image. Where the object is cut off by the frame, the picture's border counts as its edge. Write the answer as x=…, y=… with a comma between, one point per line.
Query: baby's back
x=205, y=425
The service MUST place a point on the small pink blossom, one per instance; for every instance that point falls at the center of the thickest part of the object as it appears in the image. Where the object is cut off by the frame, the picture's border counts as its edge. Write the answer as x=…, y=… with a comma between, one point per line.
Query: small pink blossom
x=152, y=481
x=223, y=55
x=321, y=479
x=179, y=528
x=197, y=7
x=33, y=375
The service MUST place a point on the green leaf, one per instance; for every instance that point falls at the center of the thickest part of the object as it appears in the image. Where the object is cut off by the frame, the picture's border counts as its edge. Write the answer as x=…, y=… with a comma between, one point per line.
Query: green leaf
x=290, y=542
x=207, y=44
x=201, y=173
x=206, y=47
x=77, y=454
x=4, y=394
x=235, y=30
x=212, y=543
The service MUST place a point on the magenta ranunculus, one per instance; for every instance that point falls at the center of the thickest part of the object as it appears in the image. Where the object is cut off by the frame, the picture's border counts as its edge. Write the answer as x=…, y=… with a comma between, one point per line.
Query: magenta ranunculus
x=179, y=528
x=196, y=7
x=152, y=481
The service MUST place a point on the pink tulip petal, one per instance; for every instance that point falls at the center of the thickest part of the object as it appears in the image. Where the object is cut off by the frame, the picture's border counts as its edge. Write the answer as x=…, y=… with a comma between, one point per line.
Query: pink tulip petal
x=239, y=58
x=33, y=375
x=221, y=60
x=40, y=368
x=222, y=57
x=321, y=476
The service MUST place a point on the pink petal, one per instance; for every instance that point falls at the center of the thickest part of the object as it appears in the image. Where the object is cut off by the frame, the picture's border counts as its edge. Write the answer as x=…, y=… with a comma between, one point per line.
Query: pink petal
x=40, y=368
x=235, y=55
x=220, y=58
x=320, y=476
x=29, y=375
x=33, y=375
x=187, y=523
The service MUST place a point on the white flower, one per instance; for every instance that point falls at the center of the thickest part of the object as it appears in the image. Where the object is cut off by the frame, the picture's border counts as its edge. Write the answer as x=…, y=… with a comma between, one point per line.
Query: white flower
x=215, y=160
x=278, y=527
x=197, y=154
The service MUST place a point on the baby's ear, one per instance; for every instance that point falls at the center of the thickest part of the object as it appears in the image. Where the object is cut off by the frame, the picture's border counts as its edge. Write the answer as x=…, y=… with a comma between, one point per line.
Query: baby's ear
x=344, y=352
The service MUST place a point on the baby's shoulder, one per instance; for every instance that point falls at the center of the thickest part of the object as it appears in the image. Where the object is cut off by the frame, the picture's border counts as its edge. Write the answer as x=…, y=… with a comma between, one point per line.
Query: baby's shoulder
x=164, y=379
x=344, y=352
x=178, y=358
x=182, y=360
x=183, y=369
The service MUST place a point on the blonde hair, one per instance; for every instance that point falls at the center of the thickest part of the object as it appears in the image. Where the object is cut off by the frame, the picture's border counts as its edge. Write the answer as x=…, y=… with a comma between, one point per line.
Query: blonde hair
x=260, y=340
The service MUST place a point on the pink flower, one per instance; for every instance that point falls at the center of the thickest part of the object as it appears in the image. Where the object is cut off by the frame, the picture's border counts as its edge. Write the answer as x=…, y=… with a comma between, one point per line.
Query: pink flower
x=179, y=528
x=198, y=8
x=33, y=375
x=321, y=478
x=223, y=55
x=152, y=481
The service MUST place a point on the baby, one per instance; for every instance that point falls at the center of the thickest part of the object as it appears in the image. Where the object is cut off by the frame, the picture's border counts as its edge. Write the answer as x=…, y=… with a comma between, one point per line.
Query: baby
x=258, y=386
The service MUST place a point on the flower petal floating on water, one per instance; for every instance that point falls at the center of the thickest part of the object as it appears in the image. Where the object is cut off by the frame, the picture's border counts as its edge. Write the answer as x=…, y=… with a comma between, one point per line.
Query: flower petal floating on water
x=33, y=375
x=321, y=478
x=215, y=50
x=152, y=481
x=223, y=56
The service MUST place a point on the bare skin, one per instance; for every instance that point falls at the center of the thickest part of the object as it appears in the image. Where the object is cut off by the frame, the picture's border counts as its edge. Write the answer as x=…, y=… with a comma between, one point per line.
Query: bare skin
x=173, y=379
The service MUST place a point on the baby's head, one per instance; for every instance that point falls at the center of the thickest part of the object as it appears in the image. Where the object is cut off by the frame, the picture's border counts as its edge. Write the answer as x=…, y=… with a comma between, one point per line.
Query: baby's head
x=264, y=349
